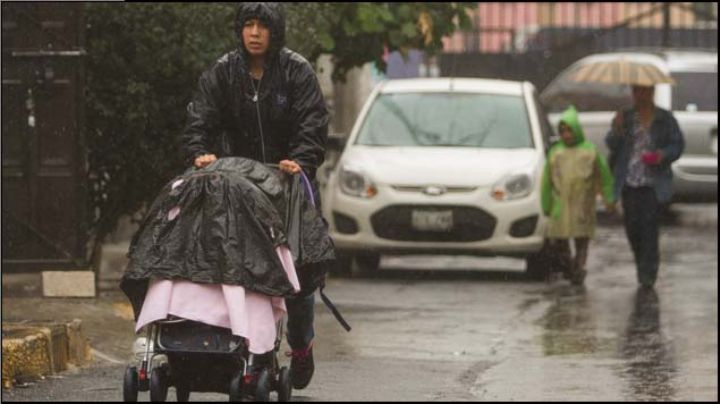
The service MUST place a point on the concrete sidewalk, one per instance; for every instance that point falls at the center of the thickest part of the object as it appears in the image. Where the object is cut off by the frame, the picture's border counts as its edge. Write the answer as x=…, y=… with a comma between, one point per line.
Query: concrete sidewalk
x=42, y=336
x=45, y=335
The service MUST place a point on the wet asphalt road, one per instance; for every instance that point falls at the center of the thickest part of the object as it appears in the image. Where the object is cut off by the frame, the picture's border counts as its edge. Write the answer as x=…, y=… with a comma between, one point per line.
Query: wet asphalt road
x=470, y=329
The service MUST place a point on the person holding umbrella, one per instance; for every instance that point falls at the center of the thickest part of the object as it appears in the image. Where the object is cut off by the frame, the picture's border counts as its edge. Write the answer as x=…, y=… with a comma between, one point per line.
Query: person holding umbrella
x=643, y=141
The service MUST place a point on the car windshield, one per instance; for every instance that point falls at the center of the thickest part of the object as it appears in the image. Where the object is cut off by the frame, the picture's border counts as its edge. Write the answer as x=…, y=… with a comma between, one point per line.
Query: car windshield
x=695, y=91
x=447, y=119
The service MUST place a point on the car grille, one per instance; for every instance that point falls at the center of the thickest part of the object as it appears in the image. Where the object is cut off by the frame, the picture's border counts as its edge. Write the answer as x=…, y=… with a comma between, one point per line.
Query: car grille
x=448, y=190
x=469, y=224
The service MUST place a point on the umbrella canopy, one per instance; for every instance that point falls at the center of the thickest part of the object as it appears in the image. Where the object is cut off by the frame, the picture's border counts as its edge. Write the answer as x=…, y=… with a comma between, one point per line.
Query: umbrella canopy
x=622, y=71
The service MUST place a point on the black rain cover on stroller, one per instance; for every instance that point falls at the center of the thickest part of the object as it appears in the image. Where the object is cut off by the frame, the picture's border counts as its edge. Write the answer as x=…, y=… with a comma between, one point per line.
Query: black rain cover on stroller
x=232, y=215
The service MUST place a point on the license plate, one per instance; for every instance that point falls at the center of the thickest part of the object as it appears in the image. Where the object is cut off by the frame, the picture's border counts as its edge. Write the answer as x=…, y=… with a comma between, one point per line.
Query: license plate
x=424, y=220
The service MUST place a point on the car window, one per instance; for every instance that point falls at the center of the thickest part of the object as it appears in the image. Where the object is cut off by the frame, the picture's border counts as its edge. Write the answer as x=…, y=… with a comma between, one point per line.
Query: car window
x=695, y=91
x=587, y=97
x=447, y=119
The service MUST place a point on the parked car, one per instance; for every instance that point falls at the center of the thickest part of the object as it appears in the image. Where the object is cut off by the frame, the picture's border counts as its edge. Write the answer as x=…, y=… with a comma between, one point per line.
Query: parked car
x=693, y=101
x=435, y=166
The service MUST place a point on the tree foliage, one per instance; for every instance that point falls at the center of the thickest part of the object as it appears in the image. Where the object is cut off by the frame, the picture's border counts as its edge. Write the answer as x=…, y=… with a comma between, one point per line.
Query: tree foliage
x=144, y=61
x=357, y=33
x=142, y=66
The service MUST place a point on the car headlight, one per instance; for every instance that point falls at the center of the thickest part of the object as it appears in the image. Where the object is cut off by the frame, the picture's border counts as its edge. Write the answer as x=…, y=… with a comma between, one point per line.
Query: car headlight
x=354, y=182
x=514, y=186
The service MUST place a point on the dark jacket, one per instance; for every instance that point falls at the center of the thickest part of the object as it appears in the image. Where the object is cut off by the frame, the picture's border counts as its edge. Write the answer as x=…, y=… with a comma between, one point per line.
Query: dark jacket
x=665, y=136
x=289, y=120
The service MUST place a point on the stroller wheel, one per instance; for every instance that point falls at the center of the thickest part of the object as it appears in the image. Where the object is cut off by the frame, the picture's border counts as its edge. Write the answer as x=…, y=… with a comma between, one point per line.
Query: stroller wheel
x=262, y=391
x=284, y=386
x=159, y=384
x=182, y=393
x=236, y=388
x=130, y=385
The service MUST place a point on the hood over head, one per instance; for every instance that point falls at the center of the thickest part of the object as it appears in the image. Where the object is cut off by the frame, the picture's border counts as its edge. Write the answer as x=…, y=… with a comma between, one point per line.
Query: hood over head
x=570, y=118
x=270, y=14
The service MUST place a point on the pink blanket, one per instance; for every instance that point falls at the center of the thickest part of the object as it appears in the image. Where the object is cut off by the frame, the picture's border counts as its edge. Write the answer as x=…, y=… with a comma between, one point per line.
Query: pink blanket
x=248, y=314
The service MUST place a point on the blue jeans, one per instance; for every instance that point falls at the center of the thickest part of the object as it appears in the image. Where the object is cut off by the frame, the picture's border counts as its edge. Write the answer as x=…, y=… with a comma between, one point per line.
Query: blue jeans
x=642, y=228
x=300, y=310
x=301, y=314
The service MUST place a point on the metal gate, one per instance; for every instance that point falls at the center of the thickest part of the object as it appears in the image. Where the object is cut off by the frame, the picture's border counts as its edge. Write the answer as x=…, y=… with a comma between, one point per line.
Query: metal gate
x=535, y=41
x=44, y=220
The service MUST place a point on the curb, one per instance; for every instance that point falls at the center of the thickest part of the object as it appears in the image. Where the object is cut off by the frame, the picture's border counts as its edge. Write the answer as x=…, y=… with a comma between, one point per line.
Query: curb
x=33, y=350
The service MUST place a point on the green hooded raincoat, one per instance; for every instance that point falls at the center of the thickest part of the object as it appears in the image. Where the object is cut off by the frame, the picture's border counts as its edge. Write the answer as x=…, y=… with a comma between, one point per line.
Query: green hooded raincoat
x=572, y=178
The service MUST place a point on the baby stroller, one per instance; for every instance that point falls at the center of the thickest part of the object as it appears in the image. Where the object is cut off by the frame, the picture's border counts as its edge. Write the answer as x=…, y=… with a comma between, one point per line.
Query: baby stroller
x=237, y=228
x=196, y=357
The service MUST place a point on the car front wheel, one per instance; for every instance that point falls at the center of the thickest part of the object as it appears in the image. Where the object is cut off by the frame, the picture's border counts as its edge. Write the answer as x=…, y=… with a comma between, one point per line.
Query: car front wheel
x=365, y=263
x=539, y=265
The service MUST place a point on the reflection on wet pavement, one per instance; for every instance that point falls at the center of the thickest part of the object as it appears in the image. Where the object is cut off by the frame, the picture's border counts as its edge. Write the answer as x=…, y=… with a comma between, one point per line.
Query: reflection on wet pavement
x=650, y=368
x=568, y=325
x=571, y=328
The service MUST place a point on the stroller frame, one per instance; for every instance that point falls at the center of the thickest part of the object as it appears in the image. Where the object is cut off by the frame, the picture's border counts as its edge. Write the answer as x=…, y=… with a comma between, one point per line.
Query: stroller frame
x=225, y=370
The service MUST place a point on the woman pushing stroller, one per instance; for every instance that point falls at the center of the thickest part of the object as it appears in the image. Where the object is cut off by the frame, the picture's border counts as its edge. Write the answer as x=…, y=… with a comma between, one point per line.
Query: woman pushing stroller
x=263, y=101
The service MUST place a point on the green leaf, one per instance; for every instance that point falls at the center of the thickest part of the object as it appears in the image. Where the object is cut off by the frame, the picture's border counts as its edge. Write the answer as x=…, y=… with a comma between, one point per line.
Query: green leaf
x=409, y=30
x=326, y=41
x=396, y=38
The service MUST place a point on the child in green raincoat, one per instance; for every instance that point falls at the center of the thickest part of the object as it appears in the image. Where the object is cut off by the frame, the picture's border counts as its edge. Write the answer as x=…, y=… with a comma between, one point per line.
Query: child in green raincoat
x=575, y=172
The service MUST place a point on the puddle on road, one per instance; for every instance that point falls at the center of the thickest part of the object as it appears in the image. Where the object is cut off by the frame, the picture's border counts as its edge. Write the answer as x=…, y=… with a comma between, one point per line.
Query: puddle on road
x=569, y=325
x=650, y=367
x=647, y=363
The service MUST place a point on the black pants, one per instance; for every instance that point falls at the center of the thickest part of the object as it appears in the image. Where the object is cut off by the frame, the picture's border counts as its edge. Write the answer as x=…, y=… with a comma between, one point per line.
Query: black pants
x=565, y=260
x=641, y=211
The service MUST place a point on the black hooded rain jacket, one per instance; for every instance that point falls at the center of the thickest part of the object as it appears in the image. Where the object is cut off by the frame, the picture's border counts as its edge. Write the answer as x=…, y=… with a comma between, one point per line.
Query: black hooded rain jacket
x=289, y=119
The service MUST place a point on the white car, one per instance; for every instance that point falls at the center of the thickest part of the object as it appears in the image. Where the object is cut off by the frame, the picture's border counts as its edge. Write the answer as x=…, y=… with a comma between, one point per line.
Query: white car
x=438, y=166
x=693, y=102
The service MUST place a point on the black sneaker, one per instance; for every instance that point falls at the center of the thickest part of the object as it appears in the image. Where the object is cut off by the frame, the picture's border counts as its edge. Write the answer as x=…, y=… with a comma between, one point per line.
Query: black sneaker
x=302, y=367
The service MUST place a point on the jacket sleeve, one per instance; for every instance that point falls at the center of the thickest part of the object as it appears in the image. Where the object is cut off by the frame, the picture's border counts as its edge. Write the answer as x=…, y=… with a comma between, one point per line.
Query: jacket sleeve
x=309, y=119
x=614, y=140
x=203, y=114
x=676, y=145
x=607, y=181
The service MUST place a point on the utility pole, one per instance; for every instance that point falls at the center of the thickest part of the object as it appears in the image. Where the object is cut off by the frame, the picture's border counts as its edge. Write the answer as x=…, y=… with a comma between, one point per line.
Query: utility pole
x=666, y=25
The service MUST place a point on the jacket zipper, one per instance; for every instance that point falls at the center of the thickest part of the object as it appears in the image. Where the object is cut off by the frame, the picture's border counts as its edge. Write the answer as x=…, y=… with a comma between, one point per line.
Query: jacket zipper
x=256, y=100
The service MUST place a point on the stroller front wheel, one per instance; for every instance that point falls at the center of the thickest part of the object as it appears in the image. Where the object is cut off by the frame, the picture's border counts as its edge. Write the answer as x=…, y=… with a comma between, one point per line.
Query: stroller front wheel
x=159, y=384
x=182, y=393
x=130, y=385
x=236, y=388
x=262, y=391
x=284, y=386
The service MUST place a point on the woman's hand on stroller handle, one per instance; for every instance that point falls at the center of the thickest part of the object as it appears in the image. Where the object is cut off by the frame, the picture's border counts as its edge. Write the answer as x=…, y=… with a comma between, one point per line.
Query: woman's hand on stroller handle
x=290, y=167
x=286, y=166
x=204, y=160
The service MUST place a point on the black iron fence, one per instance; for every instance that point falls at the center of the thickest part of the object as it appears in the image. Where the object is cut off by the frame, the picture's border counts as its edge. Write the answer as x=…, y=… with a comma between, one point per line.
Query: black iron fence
x=535, y=41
